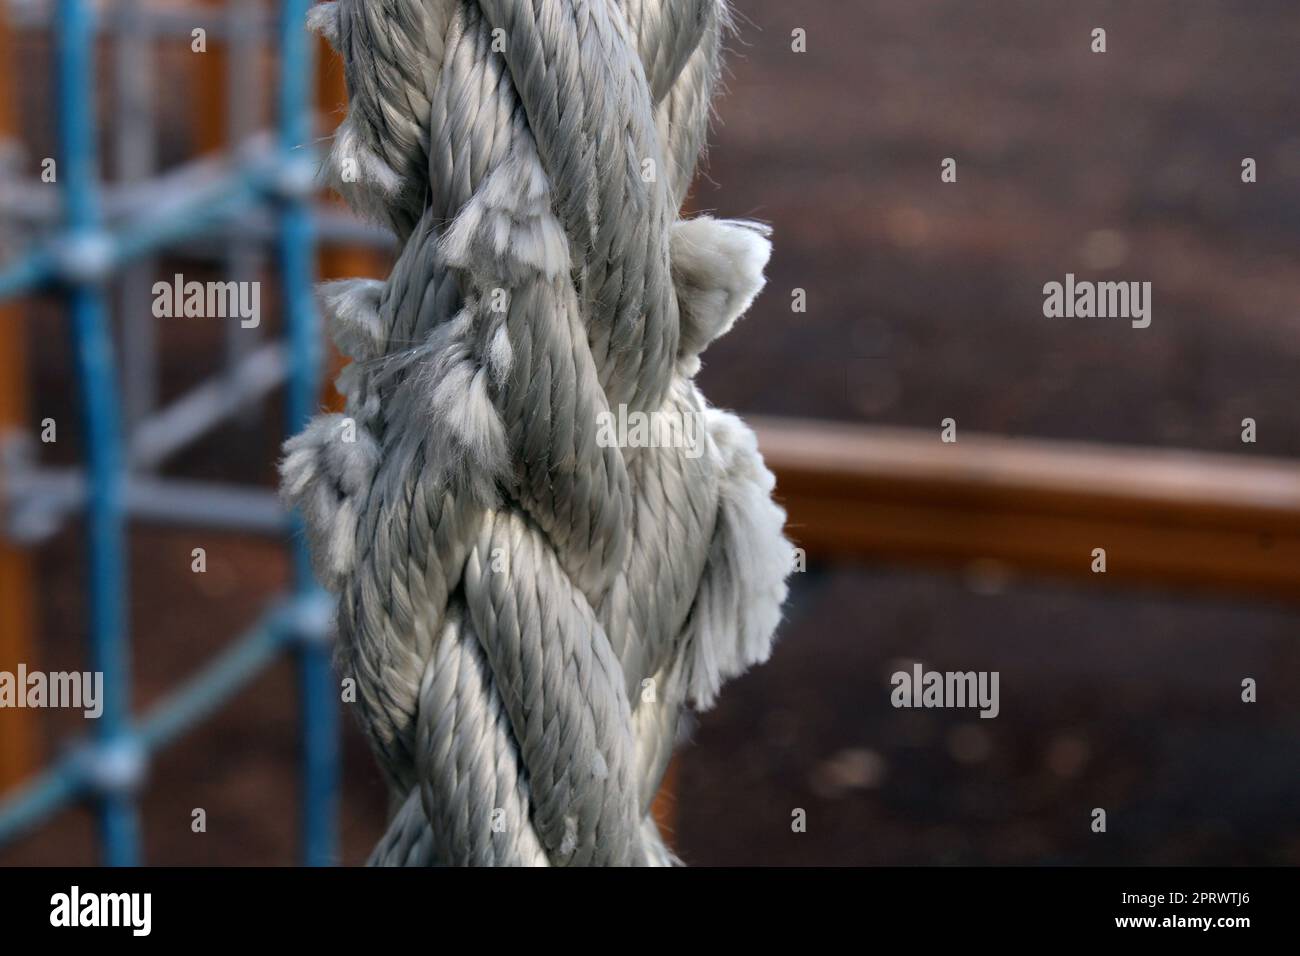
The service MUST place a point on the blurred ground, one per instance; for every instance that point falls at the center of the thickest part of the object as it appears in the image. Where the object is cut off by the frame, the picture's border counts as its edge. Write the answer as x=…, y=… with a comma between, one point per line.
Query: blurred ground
x=925, y=299
x=924, y=302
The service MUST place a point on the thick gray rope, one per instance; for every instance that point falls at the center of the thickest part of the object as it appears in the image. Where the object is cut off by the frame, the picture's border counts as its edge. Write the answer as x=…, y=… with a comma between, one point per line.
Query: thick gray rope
x=525, y=604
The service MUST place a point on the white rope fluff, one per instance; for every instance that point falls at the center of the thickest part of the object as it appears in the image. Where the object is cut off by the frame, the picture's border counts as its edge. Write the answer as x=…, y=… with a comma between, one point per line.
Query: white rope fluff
x=525, y=607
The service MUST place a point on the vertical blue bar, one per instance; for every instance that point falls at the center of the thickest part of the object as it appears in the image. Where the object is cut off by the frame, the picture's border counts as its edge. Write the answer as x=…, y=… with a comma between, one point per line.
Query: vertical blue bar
x=115, y=812
x=319, y=713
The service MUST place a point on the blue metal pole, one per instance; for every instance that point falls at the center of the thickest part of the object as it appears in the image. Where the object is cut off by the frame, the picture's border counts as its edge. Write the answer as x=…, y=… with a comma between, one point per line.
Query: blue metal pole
x=115, y=810
x=319, y=712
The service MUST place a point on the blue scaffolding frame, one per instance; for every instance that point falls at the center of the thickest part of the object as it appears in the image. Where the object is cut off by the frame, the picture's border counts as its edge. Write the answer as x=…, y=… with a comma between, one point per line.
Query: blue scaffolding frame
x=108, y=768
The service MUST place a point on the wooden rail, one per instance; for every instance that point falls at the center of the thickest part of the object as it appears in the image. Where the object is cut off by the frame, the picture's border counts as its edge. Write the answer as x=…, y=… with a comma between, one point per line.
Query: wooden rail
x=1189, y=520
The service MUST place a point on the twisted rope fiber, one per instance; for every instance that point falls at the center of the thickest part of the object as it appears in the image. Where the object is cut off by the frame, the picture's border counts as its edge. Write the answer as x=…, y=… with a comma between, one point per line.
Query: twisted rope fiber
x=526, y=607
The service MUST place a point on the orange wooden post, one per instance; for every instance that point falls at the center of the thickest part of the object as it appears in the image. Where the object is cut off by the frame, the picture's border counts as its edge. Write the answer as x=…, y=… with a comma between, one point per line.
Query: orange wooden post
x=210, y=74
x=17, y=730
x=664, y=808
x=338, y=262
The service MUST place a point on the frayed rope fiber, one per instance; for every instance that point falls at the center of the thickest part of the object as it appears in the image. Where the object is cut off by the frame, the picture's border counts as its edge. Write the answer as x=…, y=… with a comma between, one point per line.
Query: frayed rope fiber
x=527, y=606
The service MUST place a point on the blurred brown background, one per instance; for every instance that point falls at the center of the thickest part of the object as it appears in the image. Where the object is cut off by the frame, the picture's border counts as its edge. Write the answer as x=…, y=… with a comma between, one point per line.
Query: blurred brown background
x=924, y=302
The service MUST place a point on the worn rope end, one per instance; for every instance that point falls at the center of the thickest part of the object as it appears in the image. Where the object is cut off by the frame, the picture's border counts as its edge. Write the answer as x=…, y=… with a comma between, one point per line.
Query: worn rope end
x=738, y=605
x=717, y=267
x=327, y=472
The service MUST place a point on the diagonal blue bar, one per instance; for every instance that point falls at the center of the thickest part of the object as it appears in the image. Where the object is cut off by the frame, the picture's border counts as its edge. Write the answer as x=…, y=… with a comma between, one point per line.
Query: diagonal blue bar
x=236, y=194
x=194, y=701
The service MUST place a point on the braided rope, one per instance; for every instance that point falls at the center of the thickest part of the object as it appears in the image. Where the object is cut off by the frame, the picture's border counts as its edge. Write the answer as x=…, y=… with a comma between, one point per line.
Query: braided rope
x=527, y=604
